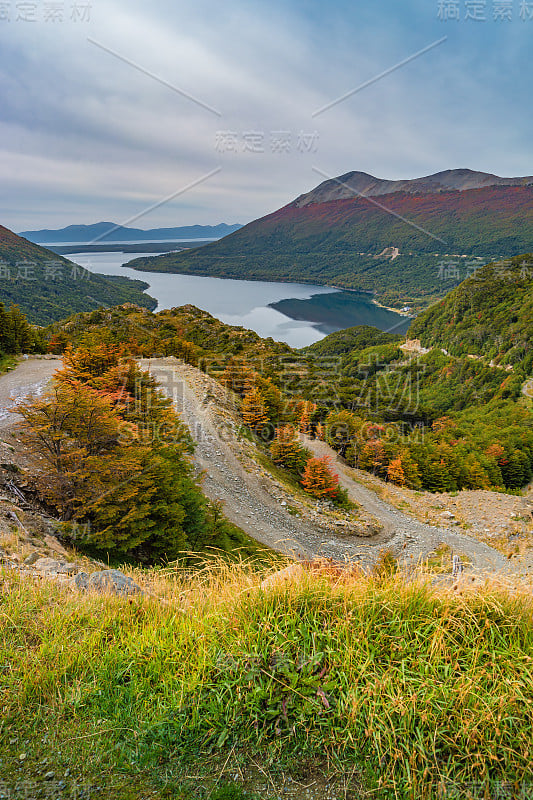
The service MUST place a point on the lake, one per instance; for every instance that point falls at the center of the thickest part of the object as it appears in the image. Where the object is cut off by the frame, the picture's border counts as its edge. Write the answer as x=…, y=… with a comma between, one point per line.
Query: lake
x=296, y=313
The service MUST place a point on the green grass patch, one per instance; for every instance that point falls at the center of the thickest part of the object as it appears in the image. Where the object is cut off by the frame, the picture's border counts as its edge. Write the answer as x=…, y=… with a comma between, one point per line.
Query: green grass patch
x=386, y=680
x=7, y=363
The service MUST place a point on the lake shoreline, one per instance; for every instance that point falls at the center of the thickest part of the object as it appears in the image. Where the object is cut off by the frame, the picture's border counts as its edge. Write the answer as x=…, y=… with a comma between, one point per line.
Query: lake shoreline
x=297, y=313
x=281, y=281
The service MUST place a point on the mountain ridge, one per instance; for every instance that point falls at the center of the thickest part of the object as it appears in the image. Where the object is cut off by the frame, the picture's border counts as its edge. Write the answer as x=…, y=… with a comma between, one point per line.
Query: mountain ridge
x=357, y=183
x=348, y=242
x=48, y=287
x=111, y=232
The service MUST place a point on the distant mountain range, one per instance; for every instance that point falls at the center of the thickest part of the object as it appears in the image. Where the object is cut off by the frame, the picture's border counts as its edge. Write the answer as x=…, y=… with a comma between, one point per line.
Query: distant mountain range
x=110, y=232
x=48, y=287
x=408, y=242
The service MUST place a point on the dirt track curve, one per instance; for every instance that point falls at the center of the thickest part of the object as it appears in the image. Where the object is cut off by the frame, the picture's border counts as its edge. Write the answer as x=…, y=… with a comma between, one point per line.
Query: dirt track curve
x=249, y=496
x=231, y=476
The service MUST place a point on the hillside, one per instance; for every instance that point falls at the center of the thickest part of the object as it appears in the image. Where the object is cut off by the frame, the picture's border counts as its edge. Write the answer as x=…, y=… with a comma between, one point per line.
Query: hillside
x=48, y=287
x=219, y=685
x=489, y=315
x=110, y=232
x=324, y=237
x=357, y=338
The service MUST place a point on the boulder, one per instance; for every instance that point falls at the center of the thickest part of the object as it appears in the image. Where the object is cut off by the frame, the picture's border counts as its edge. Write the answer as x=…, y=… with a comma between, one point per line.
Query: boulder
x=68, y=568
x=111, y=581
x=32, y=558
x=47, y=565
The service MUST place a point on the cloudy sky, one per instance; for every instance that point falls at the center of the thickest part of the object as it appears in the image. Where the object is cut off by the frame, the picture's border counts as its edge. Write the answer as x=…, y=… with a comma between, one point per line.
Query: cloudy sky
x=108, y=109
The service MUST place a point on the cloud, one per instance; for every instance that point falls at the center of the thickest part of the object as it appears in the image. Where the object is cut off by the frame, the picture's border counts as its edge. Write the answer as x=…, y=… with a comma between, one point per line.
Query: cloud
x=85, y=136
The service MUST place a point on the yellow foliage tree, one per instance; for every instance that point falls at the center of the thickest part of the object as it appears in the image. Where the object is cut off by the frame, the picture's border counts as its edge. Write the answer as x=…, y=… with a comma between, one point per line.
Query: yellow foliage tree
x=254, y=411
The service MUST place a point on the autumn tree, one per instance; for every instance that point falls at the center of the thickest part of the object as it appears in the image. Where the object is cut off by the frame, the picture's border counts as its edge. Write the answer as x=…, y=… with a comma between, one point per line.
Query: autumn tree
x=319, y=479
x=116, y=456
x=307, y=410
x=395, y=472
x=253, y=410
x=373, y=457
x=287, y=451
x=74, y=429
x=237, y=375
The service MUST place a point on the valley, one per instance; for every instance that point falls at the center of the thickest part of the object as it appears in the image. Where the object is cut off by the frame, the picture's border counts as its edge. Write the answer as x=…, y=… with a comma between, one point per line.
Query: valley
x=266, y=400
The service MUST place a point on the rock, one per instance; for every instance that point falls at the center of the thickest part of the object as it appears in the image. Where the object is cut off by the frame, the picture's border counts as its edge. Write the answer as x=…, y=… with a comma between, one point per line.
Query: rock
x=112, y=581
x=52, y=543
x=32, y=558
x=68, y=569
x=49, y=565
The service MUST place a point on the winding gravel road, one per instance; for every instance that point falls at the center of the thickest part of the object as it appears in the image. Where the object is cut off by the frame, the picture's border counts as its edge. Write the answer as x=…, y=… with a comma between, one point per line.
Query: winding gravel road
x=232, y=476
x=251, y=499
x=30, y=377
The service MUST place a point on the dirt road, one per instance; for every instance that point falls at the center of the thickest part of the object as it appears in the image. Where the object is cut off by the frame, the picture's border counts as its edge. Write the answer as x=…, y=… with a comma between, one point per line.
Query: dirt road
x=250, y=496
x=249, y=501
x=29, y=378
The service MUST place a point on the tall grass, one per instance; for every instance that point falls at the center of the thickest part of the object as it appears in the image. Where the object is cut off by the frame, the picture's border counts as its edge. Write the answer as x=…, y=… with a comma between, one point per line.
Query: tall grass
x=421, y=689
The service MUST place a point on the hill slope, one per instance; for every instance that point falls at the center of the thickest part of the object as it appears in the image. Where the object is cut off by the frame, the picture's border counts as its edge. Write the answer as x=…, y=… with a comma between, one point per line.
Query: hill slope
x=489, y=315
x=393, y=243
x=48, y=287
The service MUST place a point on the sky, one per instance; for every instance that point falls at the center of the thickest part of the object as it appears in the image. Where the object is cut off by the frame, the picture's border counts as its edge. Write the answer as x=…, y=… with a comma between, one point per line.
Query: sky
x=170, y=113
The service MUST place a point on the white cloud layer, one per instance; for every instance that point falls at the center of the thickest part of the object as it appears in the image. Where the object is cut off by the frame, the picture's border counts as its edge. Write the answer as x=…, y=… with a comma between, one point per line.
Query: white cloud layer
x=85, y=136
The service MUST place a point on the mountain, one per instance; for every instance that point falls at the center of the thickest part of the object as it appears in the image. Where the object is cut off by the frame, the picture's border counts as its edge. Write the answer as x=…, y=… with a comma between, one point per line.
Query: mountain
x=110, y=232
x=48, y=287
x=357, y=183
x=489, y=315
x=409, y=242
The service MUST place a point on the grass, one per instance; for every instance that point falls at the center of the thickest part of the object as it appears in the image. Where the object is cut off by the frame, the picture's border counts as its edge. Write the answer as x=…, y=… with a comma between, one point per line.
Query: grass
x=8, y=363
x=404, y=687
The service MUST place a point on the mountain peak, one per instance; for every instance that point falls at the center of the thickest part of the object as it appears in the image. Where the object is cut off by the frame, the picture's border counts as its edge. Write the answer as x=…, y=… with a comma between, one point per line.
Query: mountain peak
x=355, y=184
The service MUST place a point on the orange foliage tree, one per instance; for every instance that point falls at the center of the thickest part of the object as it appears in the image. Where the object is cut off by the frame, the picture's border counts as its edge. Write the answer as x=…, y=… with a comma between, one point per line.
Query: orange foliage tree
x=395, y=472
x=319, y=479
x=254, y=410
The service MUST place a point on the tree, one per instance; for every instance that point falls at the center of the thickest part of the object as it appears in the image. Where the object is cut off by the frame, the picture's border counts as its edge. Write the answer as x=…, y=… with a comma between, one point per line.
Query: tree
x=342, y=427
x=288, y=451
x=319, y=479
x=374, y=457
x=395, y=472
x=254, y=412
x=74, y=429
x=304, y=424
x=116, y=456
x=16, y=334
x=237, y=376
